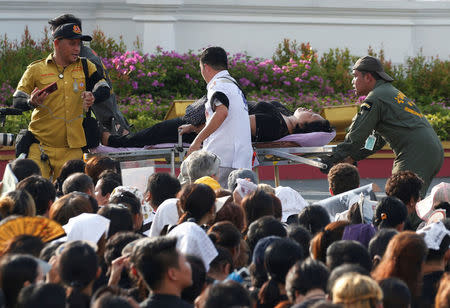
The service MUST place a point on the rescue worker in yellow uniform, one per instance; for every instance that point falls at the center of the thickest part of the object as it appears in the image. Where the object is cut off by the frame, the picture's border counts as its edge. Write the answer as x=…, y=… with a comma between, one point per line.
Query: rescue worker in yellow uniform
x=387, y=115
x=56, y=121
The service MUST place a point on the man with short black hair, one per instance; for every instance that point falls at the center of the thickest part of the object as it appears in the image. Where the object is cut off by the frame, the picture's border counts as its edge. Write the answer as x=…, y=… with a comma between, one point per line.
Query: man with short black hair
x=104, y=188
x=23, y=168
x=346, y=251
x=79, y=182
x=42, y=191
x=227, y=129
x=165, y=271
x=388, y=116
x=342, y=177
x=406, y=186
x=160, y=187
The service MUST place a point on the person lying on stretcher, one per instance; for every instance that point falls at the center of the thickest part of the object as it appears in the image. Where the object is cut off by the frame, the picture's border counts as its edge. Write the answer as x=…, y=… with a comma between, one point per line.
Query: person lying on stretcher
x=268, y=122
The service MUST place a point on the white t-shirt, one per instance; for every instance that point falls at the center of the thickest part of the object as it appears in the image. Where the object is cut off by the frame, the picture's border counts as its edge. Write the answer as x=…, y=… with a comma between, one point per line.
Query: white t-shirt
x=232, y=140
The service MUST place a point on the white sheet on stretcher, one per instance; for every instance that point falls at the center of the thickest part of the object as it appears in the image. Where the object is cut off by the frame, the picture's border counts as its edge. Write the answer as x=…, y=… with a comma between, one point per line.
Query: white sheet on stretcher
x=316, y=139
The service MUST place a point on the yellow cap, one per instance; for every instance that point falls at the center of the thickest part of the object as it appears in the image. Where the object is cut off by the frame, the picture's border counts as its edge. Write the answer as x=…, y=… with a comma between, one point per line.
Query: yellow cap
x=207, y=180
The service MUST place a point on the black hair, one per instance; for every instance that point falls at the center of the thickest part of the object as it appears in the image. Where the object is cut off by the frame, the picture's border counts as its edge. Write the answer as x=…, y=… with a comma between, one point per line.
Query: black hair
x=444, y=206
x=15, y=270
x=314, y=218
x=129, y=200
x=373, y=74
x=223, y=258
x=115, y=244
x=396, y=293
x=78, y=265
x=305, y=276
x=390, y=212
x=340, y=270
x=262, y=227
x=437, y=255
x=64, y=19
x=119, y=216
x=196, y=200
x=111, y=301
x=227, y=294
x=347, y=251
x=153, y=257
x=107, y=185
x=404, y=185
x=49, y=250
x=162, y=186
x=110, y=174
x=23, y=168
x=70, y=167
x=301, y=235
x=42, y=295
x=314, y=126
x=279, y=257
x=225, y=234
x=189, y=294
x=379, y=243
x=77, y=182
x=256, y=205
x=42, y=191
x=216, y=57
x=25, y=244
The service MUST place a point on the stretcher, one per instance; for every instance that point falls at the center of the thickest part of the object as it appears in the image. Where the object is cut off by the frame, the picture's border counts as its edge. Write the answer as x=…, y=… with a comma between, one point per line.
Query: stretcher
x=281, y=152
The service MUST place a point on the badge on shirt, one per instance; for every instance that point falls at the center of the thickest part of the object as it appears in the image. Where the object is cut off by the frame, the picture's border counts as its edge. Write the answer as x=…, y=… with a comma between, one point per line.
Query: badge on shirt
x=370, y=142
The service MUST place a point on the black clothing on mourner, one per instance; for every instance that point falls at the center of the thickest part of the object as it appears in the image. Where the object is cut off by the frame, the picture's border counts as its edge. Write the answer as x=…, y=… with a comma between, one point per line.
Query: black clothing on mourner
x=429, y=288
x=164, y=301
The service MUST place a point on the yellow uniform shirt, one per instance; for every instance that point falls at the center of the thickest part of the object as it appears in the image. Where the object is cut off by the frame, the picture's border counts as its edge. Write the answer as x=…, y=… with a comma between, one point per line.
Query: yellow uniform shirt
x=58, y=122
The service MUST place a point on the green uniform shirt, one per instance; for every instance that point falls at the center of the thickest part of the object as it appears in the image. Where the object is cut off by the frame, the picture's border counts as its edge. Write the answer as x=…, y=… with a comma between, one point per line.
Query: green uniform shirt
x=394, y=119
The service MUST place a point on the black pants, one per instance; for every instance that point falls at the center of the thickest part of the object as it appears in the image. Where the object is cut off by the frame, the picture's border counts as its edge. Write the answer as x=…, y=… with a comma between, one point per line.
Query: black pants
x=162, y=132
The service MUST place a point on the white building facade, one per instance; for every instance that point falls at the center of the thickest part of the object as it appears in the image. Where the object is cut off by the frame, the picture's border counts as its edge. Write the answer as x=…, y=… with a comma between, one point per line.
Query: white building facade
x=402, y=28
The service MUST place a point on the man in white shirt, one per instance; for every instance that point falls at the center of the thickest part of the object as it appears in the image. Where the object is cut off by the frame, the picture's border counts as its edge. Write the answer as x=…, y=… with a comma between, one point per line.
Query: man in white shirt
x=227, y=129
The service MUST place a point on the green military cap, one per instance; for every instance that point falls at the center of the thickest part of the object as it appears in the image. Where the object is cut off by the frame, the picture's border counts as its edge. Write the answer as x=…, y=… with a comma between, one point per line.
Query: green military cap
x=371, y=64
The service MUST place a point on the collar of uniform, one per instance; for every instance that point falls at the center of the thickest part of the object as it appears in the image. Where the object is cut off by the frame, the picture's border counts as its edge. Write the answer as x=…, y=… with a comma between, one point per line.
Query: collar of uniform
x=379, y=83
x=218, y=75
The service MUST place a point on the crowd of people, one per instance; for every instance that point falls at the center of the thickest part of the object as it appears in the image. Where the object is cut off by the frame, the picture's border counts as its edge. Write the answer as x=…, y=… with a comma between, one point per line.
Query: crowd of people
x=71, y=235
x=204, y=245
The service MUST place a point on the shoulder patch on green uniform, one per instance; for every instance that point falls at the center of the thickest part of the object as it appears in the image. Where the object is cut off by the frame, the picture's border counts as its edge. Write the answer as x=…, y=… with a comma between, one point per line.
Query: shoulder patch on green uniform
x=36, y=62
x=366, y=105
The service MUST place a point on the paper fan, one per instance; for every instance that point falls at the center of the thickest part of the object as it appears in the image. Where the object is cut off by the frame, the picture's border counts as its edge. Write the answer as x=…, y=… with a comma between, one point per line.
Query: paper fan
x=44, y=228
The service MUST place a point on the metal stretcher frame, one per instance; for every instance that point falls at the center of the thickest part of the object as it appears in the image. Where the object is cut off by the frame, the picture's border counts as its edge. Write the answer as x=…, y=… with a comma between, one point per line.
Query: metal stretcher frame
x=266, y=156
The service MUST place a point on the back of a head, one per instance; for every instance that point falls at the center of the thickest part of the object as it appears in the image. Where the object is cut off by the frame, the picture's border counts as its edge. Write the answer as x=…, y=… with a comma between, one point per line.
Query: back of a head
x=341, y=270
x=216, y=57
x=78, y=182
x=305, y=276
x=106, y=186
x=42, y=295
x=198, y=269
x=390, y=213
x=15, y=271
x=321, y=241
x=116, y=243
x=120, y=218
x=111, y=301
x=395, y=293
x=196, y=200
x=257, y=204
x=240, y=174
x=63, y=19
x=263, y=227
x=70, y=167
x=314, y=218
x=42, y=191
x=68, y=206
x=78, y=265
x=443, y=294
x=346, y=251
x=355, y=290
x=153, y=257
x=162, y=186
x=130, y=200
x=23, y=168
x=300, y=235
x=23, y=204
x=232, y=212
x=343, y=177
x=25, y=244
x=227, y=294
x=378, y=244
x=404, y=185
x=202, y=163
x=225, y=234
x=97, y=164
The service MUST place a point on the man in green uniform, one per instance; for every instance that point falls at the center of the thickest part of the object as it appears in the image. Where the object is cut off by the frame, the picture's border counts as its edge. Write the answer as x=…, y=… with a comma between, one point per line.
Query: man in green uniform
x=387, y=115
